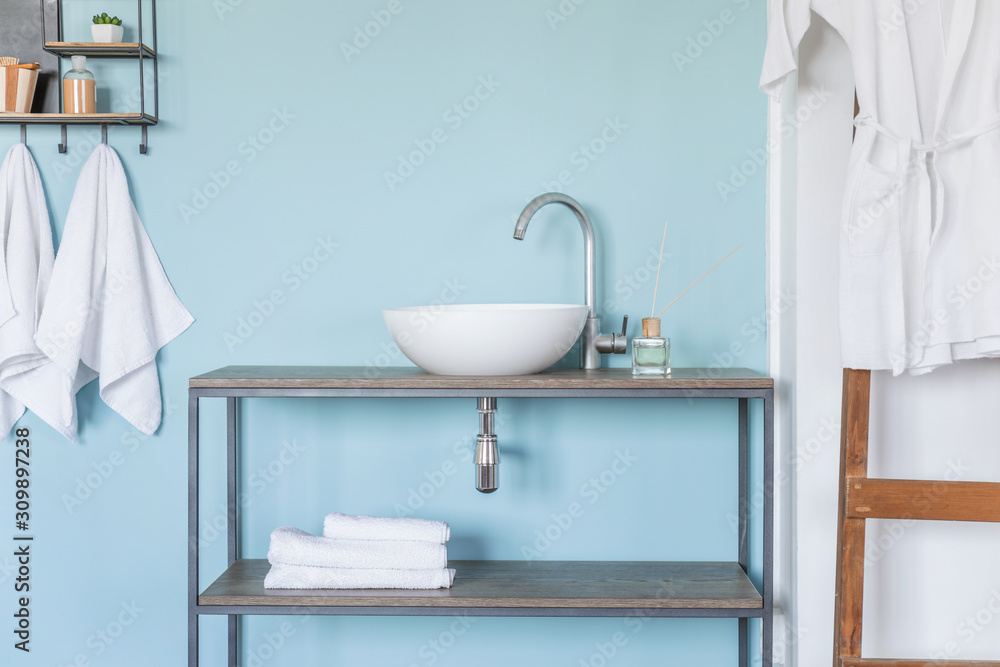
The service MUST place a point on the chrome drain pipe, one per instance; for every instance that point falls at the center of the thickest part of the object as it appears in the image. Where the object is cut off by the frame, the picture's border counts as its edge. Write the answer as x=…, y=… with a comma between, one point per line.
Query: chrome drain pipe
x=487, y=453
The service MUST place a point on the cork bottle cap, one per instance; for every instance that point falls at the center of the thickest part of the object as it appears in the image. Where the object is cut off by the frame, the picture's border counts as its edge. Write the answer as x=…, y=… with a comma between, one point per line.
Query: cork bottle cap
x=651, y=327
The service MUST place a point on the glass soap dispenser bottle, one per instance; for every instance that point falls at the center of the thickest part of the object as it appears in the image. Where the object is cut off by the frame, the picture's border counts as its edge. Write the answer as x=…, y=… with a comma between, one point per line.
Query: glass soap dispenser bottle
x=79, y=88
x=651, y=352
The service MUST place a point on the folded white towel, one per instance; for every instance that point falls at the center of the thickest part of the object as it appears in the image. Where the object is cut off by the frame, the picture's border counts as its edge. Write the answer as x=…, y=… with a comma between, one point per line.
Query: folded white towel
x=303, y=576
x=291, y=546
x=110, y=307
x=348, y=527
x=27, y=376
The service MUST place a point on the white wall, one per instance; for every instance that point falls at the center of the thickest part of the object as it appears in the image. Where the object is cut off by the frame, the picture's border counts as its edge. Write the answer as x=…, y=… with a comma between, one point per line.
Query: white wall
x=929, y=587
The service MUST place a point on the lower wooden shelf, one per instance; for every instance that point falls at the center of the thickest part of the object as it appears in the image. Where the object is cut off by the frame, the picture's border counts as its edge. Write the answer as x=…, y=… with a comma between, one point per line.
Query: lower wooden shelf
x=554, y=588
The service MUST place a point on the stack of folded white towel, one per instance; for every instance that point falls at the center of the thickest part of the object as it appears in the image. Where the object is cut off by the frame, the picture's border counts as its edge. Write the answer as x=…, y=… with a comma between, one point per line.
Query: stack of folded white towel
x=361, y=552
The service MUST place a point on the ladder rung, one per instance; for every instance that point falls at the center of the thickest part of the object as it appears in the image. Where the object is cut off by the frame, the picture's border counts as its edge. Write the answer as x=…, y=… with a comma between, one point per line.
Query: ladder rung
x=872, y=662
x=926, y=500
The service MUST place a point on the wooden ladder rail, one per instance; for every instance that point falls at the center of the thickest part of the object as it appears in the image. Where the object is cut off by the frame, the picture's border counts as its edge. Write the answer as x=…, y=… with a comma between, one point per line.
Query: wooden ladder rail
x=863, y=498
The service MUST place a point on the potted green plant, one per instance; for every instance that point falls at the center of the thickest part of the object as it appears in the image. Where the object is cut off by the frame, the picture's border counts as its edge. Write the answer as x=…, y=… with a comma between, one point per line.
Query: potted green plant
x=107, y=29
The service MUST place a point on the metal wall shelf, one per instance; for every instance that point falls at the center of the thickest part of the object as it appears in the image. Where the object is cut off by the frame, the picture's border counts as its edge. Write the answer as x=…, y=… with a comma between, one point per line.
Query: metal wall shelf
x=140, y=51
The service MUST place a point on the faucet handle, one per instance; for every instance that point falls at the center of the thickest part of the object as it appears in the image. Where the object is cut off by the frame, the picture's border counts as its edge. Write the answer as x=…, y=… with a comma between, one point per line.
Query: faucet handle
x=616, y=343
x=619, y=342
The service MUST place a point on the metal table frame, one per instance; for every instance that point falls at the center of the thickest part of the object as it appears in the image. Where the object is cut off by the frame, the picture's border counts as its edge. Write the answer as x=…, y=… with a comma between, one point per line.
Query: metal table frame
x=233, y=396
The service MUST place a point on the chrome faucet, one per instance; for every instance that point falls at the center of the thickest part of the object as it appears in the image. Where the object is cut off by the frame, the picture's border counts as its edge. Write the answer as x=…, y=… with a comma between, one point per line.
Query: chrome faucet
x=594, y=343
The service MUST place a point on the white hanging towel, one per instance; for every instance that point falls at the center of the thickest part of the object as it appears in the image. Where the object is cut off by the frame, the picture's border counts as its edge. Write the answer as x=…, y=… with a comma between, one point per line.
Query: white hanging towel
x=26, y=256
x=920, y=249
x=110, y=307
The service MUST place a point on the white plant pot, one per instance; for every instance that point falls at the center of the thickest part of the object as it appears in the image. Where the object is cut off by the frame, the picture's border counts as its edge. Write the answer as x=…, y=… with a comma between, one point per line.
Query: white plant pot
x=106, y=33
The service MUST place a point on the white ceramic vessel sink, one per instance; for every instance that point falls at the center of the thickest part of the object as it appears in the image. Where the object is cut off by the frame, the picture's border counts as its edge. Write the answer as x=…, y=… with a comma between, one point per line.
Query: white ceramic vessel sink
x=486, y=339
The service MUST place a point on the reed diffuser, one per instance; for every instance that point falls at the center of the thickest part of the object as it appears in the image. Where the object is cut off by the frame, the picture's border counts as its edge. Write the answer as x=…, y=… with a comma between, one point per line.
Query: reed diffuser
x=651, y=351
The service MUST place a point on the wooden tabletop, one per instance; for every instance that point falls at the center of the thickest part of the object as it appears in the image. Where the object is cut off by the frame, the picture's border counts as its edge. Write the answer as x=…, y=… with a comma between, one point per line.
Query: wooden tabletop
x=366, y=377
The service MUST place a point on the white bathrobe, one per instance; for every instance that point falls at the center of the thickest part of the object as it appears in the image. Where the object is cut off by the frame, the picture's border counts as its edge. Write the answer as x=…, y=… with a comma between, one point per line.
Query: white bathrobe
x=920, y=250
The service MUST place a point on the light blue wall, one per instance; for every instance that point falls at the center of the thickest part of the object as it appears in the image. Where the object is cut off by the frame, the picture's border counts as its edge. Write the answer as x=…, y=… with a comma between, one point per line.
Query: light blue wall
x=225, y=77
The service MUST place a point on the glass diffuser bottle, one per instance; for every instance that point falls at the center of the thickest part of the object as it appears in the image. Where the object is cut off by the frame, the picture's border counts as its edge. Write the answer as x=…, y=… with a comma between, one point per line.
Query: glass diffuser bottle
x=651, y=352
x=79, y=88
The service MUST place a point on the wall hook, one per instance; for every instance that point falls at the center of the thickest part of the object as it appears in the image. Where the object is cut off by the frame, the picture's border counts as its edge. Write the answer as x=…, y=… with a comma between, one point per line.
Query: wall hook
x=63, y=147
x=24, y=133
x=143, y=147
x=104, y=134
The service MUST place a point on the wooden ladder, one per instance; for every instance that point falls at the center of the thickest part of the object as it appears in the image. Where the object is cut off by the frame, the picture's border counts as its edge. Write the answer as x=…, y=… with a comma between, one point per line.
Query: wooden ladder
x=863, y=498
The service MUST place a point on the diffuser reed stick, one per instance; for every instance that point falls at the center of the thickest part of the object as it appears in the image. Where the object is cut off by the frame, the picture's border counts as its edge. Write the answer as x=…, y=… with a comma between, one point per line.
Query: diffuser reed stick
x=699, y=279
x=656, y=285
